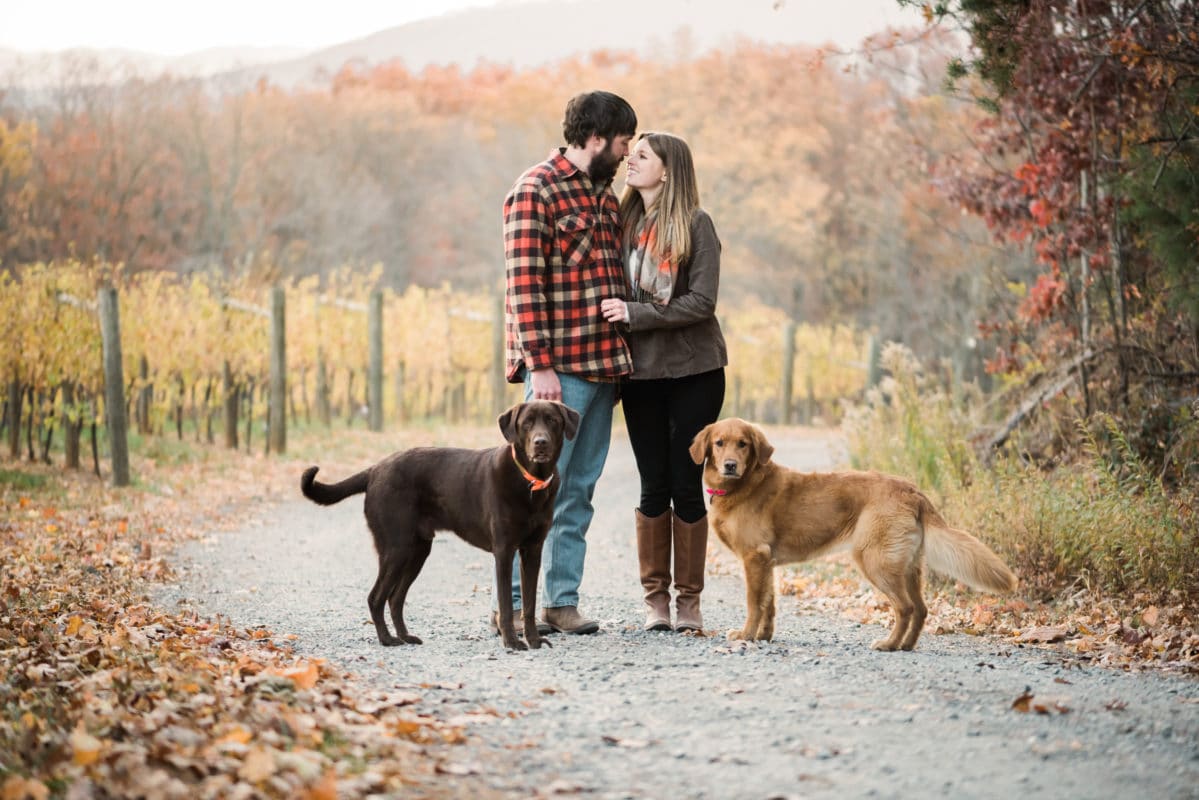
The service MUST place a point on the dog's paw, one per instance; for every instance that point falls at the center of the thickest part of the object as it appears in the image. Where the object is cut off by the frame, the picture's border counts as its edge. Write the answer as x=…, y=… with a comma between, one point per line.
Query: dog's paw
x=736, y=634
x=537, y=642
x=515, y=644
x=410, y=639
x=885, y=645
x=391, y=641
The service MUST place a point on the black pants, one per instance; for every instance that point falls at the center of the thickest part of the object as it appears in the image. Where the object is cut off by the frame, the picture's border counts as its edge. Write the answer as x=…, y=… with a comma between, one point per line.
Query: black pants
x=663, y=416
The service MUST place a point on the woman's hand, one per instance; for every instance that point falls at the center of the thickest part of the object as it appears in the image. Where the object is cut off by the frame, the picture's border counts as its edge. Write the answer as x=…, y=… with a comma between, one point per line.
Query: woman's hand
x=614, y=310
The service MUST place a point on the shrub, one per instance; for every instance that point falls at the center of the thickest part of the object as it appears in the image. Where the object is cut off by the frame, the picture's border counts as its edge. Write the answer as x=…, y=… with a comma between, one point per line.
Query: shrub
x=1101, y=521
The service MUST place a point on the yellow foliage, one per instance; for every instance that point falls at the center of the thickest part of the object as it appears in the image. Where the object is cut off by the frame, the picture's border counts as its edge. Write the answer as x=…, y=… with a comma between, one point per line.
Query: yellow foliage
x=438, y=342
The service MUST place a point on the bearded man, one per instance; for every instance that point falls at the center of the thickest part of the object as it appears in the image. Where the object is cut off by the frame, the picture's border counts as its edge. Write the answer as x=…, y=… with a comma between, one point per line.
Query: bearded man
x=562, y=258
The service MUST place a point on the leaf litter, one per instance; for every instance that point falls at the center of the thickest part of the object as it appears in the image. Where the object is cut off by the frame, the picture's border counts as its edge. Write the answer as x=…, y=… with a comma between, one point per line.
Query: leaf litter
x=102, y=694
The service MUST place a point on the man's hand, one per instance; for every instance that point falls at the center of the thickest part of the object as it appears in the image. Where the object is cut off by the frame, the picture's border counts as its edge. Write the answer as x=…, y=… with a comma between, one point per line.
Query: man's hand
x=546, y=385
x=614, y=310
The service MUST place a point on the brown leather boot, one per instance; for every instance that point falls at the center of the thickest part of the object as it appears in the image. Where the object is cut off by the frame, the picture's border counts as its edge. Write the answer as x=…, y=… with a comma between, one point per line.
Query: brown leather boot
x=567, y=619
x=653, y=551
x=690, y=559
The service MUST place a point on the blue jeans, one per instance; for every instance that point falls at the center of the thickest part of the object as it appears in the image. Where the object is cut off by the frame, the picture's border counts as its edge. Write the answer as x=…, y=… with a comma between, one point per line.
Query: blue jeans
x=579, y=467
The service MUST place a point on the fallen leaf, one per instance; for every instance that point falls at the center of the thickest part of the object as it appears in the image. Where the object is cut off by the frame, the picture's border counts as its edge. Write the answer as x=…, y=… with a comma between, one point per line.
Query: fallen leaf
x=324, y=789
x=85, y=746
x=1133, y=636
x=18, y=788
x=238, y=734
x=304, y=676
x=1023, y=702
x=1149, y=616
x=258, y=765
x=457, y=769
x=634, y=744
x=982, y=616
x=1045, y=634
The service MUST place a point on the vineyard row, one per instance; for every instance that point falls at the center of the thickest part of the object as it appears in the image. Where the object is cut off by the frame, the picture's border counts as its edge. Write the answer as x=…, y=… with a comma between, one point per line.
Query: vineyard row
x=213, y=359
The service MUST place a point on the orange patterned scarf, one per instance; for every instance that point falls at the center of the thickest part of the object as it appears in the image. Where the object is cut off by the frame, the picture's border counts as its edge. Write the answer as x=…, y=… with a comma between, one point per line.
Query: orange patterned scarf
x=651, y=282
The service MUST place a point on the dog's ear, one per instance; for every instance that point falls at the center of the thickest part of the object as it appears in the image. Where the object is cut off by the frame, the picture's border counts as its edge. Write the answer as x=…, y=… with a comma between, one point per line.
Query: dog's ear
x=762, y=448
x=571, y=418
x=699, y=445
x=508, y=420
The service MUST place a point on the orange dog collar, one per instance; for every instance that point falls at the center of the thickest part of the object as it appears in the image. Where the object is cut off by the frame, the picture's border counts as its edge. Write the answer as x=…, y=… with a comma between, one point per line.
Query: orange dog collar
x=535, y=484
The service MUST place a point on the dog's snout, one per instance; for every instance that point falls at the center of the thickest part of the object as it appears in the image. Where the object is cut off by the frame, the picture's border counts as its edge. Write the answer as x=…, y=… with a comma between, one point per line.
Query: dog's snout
x=541, y=445
x=730, y=467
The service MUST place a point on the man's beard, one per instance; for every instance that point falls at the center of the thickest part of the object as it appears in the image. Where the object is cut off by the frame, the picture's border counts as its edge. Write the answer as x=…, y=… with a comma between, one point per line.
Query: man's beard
x=603, y=166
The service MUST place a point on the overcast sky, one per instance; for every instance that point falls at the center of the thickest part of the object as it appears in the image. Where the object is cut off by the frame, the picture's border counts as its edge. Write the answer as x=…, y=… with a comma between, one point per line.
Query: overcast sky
x=175, y=27
x=169, y=27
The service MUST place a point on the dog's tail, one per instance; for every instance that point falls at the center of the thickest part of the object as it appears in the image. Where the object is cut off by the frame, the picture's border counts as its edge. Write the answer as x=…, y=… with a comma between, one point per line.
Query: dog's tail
x=959, y=555
x=329, y=493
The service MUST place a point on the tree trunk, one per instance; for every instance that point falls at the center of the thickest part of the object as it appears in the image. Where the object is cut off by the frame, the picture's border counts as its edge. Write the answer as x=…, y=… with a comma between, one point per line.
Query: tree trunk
x=249, y=411
x=324, y=412
x=72, y=425
x=29, y=420
x=232, y=402
x=15, y=393
x=49, y=437
x=145, y=397
x=179, y=391
x=208, y=386
x=95, y=448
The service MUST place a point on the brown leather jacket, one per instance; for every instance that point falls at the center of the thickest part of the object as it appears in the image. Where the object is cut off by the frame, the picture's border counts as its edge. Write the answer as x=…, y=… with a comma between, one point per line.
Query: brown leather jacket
x=682, y=337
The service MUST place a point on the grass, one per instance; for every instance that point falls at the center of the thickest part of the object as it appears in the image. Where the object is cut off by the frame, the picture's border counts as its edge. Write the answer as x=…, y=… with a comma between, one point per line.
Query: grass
x=21, y=481
x=1099, y=521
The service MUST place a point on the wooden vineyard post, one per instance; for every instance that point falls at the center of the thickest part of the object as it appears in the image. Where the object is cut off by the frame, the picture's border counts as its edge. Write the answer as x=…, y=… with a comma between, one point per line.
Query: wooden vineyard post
x=374, y=325
x=277, y=405
x=114, y=385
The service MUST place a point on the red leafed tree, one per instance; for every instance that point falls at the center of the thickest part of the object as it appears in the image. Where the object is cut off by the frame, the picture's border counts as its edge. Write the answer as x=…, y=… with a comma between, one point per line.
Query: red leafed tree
x=1092, y=103
x=1090, y=156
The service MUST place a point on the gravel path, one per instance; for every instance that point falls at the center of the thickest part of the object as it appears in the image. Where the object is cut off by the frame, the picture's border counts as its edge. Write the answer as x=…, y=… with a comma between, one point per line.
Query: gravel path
x=625, y=713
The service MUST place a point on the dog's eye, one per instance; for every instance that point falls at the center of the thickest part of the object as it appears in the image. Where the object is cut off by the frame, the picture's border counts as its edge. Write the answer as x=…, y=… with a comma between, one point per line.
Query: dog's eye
x=720, y=442
x=743, y=444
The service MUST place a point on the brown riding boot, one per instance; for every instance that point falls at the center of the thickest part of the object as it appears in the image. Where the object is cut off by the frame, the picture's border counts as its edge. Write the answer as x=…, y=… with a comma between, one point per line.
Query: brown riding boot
x=690, y=559
x=653, y=551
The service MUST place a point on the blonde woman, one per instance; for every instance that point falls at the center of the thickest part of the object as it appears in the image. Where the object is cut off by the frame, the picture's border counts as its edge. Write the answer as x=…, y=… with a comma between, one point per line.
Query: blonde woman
x=672, y=261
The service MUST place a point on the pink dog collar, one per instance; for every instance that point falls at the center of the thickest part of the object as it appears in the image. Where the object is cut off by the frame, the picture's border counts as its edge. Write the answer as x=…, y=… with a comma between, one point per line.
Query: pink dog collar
x=716, y=492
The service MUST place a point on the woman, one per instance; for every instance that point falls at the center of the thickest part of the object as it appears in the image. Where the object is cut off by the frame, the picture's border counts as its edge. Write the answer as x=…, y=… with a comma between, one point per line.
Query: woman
x=672, y=256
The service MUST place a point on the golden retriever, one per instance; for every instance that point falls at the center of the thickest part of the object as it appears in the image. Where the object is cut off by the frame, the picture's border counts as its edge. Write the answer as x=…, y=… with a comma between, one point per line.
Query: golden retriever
x=768, y=514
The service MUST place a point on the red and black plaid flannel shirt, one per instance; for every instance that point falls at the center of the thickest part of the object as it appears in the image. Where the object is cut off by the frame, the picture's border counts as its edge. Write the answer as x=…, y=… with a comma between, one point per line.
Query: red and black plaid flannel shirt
x=562, y=256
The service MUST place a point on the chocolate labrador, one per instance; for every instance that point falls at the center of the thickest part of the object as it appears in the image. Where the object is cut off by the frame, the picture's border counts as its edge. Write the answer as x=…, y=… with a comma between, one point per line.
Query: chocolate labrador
x=500, y=500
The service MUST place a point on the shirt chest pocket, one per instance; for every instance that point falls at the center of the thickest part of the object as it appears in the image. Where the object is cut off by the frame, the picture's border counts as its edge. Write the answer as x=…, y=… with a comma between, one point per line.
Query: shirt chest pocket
x=575, y=236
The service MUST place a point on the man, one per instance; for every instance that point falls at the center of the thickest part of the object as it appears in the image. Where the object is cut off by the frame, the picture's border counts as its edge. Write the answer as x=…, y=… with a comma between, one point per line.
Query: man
x=562, y=257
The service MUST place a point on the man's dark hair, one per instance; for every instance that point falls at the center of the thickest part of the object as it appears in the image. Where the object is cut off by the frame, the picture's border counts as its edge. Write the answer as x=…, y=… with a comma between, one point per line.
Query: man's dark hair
x=603, y=114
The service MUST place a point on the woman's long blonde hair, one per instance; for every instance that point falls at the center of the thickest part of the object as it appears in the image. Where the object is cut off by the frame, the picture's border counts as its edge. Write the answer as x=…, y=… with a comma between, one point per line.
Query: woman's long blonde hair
x=675, y=205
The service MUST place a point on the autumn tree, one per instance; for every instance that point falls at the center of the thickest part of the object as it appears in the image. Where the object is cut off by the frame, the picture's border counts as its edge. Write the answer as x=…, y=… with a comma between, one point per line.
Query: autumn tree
x=1093, y=163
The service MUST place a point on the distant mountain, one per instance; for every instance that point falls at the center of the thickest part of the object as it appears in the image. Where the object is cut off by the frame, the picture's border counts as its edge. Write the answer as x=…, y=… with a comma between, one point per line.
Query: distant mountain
x=533, y=32
x=519, y=33
x=45, y=68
